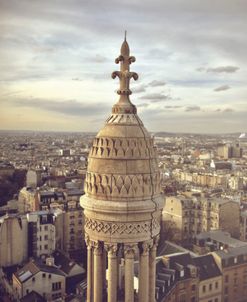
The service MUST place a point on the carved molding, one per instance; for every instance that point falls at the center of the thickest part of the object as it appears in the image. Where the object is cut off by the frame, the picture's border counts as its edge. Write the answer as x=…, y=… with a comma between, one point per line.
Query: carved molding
x=112, y=228
x=137, y=185
x=123, y=148
x=145, y=247
x=112, y=249
x=130, y=250
x=129, y=119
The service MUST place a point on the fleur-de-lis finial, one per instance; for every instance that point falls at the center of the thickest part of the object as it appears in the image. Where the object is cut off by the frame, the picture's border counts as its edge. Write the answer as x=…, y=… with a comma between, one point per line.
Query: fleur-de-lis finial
x=124, y=104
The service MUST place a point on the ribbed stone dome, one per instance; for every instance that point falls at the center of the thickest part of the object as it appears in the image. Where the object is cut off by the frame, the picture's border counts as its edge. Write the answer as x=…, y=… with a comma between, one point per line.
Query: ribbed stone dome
x=122, y=185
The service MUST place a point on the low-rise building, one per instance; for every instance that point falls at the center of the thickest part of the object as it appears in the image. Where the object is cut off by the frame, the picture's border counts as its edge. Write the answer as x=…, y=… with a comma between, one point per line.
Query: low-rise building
x=47, y=281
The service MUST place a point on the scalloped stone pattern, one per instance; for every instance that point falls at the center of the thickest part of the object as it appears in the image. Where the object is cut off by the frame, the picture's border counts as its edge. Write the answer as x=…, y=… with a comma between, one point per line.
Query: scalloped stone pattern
x=136, y=186
x=123, y=148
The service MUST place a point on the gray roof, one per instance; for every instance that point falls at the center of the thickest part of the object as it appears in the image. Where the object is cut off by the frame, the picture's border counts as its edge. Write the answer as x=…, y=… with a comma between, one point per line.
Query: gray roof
x=221, y=237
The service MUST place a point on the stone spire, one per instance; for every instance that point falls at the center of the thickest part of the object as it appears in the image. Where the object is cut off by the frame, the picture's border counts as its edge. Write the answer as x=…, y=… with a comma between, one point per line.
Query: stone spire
x=124, y=104
x=122, y=202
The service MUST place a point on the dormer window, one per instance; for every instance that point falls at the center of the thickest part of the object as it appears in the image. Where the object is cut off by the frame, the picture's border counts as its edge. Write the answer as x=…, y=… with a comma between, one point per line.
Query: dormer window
x=235, y=260
x=181, y=273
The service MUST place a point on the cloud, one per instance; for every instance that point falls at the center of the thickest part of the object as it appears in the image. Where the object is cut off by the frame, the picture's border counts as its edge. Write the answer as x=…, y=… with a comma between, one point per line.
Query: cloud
x=67, y=107
x=173, y=107
x=156, y=83
x=192, y=108
x=98, y=59
x=143, y=105
x=200, y=69
x=221, y=69
x=222, y=88
x=139, y=89
x=77, y=79
x=156, y=97
x=228, y=110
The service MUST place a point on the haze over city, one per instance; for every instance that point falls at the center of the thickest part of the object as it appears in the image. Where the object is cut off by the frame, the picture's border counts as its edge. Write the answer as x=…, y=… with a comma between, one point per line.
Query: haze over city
x=56, y=59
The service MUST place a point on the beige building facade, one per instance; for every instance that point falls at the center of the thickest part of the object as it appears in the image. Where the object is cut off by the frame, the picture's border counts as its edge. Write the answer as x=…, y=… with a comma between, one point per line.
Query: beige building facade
x=13, y=240
x=195, y=215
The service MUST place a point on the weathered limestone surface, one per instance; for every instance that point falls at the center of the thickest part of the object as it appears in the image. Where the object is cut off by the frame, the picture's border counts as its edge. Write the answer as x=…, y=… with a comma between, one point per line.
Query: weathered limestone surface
x=122, y=200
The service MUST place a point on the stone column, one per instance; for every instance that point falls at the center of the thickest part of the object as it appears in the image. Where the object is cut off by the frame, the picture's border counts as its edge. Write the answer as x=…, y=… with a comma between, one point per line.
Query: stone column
x=112, y=272
x=89, y=271
x=143, y=292
x=98, y=275
x=152, y=270
x=129, y=253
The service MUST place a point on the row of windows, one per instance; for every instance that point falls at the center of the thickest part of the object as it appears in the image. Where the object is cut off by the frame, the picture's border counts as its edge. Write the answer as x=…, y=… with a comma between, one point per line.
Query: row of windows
x=45, y=238
x=56, y=286
x=210, y=287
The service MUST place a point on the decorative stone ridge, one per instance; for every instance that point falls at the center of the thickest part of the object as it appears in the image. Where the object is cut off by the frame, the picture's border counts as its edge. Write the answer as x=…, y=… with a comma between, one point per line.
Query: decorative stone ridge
x=122, y=148
x=107, y=186
x=113, y=228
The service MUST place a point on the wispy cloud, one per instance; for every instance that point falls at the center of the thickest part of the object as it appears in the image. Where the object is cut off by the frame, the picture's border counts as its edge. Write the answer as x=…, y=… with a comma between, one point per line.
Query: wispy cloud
x=67, y=107
x=223, y=69
x=156, y=97
x=139, y=89
x=192, y=108
x=157, y=83
x=222, y=88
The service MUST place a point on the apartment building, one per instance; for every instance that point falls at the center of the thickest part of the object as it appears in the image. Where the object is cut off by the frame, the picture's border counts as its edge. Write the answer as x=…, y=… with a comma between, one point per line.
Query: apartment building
x=41, y=233
x=193, y=215
x=233, y=265
x=184, y=278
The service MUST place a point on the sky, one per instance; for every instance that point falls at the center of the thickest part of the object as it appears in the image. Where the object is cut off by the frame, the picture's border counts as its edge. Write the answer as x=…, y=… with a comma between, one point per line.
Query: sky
x=57, y=56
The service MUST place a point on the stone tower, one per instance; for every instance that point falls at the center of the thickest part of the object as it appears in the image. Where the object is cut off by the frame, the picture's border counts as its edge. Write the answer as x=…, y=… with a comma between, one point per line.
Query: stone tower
x=122, y=201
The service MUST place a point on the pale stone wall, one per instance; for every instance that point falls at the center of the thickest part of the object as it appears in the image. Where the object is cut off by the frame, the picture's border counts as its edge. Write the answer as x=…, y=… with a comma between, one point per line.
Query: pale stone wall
x=210, y=289
x=13, y=240
x=229, y=218
x=41, y=283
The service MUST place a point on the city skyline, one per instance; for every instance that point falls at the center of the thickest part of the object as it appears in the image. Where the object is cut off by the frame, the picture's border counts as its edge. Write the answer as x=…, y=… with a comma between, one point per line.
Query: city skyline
x=56, y=62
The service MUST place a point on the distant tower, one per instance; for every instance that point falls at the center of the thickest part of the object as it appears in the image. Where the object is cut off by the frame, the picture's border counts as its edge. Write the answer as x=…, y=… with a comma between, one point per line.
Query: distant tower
x=122, y=201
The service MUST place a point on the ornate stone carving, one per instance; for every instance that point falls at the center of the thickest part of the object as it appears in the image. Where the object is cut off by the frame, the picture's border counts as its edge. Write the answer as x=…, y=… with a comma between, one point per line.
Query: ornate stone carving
x=97, y=247
x=137, y=185
x=130, y=250
x=145, y=246
x=121, y=148
x=113, y=228
x=111, y=249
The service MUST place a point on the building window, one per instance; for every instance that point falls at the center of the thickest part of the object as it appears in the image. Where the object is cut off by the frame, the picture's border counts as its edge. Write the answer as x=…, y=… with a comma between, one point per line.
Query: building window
x=49, y=276
x=204, y=288
x=193, y=287
x=46, y=237
x=43, y=275
x=216, y=300
x=27, y=291
x=210, y=286
x=46, y=246
x=226, y=278
x=226, y=290
x=56, y=286
x=216, y=285
x=33, y=279
x=193, y=299
x=46, y=227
